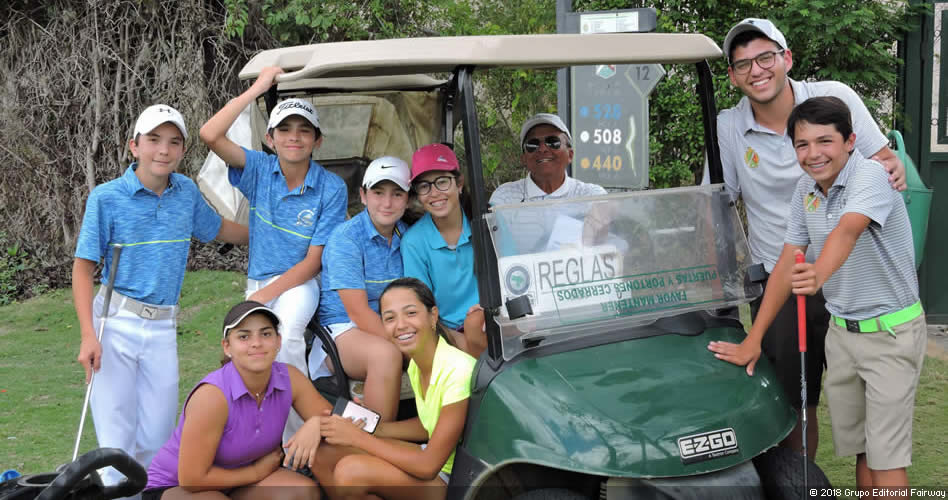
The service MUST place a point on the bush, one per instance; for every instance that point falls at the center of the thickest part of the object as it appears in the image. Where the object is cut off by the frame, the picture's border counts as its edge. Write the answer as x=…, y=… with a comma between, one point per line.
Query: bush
x=13, y=260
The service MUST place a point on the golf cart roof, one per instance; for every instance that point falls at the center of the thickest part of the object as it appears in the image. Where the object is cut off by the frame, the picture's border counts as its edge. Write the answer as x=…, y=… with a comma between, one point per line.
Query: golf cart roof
x=409, y=56
x=365, y=83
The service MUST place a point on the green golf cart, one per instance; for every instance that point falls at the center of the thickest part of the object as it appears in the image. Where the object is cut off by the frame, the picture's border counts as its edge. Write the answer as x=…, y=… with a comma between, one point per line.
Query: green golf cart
x=597, y=381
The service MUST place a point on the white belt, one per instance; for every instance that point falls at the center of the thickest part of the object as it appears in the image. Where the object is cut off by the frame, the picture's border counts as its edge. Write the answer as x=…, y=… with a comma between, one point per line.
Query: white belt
x=139, y=308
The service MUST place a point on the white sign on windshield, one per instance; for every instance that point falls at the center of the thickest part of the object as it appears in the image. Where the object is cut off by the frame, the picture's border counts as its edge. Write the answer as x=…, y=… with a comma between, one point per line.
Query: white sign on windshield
x=538, y=275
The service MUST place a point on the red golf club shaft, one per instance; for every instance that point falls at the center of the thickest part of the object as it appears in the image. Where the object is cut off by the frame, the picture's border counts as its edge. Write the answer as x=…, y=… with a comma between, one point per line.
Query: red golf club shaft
x=801, y=314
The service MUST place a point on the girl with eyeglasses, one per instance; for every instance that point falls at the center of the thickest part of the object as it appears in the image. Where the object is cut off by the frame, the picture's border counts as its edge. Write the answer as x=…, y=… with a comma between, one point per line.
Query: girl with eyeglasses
x=438, y=249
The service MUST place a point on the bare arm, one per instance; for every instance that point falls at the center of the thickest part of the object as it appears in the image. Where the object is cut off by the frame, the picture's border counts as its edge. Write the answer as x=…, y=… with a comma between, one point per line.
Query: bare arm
x=231, y=232
x=405, y=430
x=893, y=165
x=778, y=290
x=205, y=417
x=214, y=131
x=356, y=302
x=294, y=276
x=423, y=464
x=302, y=446
x=90, y=350
x=807, y=279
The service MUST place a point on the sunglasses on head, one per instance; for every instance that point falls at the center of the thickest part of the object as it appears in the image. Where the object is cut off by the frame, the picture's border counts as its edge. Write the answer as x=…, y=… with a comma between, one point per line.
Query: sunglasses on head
x=551, y=141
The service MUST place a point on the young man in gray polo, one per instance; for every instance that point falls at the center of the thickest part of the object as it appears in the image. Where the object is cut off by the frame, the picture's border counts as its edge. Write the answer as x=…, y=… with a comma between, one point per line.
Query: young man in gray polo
x=760, y=167
x=875, y=346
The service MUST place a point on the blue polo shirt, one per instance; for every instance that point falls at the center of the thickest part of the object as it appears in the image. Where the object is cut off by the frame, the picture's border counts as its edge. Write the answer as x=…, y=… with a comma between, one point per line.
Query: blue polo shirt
x=285, y=223
x=155, y=232
x=357, y=257
x=448, y=272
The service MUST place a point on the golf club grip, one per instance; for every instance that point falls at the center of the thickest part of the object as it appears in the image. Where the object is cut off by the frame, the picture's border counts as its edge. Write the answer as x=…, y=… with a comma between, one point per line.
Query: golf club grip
x=801, y=313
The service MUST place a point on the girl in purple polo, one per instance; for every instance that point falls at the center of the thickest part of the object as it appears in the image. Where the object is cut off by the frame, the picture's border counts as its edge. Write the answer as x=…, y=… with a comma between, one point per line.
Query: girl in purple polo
x=228, y=437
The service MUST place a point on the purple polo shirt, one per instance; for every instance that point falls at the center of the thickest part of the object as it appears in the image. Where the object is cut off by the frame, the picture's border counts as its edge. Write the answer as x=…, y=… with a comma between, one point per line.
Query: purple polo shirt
x=250, y=432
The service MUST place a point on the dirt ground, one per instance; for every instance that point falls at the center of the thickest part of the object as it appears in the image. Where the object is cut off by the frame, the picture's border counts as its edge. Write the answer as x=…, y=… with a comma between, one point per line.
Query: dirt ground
x=938, y=341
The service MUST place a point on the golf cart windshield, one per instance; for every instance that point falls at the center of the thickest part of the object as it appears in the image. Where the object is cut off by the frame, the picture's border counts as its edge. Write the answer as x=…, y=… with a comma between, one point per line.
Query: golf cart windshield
x=626, y=258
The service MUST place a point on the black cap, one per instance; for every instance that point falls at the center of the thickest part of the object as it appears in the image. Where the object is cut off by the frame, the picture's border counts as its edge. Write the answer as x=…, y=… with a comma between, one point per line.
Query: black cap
x=244, y=309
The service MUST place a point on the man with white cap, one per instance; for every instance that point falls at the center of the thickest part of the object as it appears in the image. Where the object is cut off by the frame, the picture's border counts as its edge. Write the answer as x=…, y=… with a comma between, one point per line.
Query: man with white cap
x=362, y=257
x=153, y=212
x=547, y=149
x=760, y=166
x=294, y=204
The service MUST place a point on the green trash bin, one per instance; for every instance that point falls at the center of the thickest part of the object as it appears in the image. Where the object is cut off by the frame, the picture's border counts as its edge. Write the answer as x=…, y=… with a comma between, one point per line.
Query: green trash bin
x=918, y=198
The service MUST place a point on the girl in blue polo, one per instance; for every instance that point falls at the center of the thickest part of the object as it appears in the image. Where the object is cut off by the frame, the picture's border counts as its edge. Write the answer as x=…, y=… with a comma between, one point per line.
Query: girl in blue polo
x=438, y=250
x=294, y=205
x=363, y=256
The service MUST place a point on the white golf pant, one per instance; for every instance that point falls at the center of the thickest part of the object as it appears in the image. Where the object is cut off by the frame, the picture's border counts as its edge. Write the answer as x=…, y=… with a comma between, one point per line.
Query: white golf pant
x=295, y=307
x=134, y=398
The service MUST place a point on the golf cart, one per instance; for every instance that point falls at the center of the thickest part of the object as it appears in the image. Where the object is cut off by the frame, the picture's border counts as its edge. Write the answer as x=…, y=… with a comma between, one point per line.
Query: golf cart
x=597, y=382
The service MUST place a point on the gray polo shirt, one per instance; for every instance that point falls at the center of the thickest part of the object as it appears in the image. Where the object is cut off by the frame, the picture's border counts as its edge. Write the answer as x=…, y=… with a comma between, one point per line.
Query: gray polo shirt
x=531, y=227
x=527, y=190
x=878, y=277
x=761, y=166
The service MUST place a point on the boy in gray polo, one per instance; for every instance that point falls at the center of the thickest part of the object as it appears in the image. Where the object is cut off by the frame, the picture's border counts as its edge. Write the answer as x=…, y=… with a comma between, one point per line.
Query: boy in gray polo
x=875, y=343
x=760, y=167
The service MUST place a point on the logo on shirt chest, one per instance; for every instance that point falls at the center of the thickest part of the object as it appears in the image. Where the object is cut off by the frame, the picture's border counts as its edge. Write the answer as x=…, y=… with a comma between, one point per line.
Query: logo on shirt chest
x=751, y=158
x=811, y=202
x=306, y=218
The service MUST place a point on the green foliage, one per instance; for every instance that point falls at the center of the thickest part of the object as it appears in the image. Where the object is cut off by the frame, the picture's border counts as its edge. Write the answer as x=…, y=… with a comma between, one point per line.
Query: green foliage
x=854, y=46
x=13, y=259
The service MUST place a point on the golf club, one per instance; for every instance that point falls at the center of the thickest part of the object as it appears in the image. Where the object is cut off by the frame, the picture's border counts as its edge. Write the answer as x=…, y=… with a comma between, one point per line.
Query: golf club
x=801, y=338
x=116, y=253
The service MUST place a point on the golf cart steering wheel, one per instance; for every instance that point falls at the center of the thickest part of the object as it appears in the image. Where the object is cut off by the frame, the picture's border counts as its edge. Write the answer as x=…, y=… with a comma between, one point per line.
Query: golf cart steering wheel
x=135, y=475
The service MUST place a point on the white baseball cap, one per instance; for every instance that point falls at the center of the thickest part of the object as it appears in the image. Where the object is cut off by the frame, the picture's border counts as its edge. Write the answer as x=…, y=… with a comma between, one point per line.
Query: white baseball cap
x=387, y=168
x=155, y=115
x=762, y=26
x=292, y=107
x=544, y=119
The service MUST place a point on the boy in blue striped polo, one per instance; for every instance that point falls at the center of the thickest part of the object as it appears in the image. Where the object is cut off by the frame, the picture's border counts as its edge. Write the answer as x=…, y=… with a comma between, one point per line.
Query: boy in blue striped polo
x=153, y=213
x=294, y=204
x=364, y=255
x=876, y=339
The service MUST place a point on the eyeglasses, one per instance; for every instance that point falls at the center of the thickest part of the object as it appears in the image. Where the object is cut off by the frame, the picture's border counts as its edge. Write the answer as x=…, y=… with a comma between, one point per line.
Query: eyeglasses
x=443, y=183
x=533, y=145
x=765, y=60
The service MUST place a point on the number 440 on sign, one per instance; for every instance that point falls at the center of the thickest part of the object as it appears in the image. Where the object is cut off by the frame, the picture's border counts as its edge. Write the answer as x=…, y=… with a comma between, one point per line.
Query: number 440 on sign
x=603, y=162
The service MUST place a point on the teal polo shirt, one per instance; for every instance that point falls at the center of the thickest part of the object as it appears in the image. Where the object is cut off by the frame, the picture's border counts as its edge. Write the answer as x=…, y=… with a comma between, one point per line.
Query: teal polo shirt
x=448, y=272
x=284, y=223
x=155, y=232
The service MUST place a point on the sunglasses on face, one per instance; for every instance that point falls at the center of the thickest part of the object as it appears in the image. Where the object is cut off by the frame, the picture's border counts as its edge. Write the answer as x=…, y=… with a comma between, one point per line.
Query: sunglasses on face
x=533, y=145
x=442, y=183
x=765, y=60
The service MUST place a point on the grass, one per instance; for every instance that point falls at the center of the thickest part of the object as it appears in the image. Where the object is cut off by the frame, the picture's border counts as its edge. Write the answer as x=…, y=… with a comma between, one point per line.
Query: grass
x=41, y=385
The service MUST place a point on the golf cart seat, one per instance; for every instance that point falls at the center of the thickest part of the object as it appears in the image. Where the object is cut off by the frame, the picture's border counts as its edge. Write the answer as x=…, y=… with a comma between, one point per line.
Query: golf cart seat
x=336, y=384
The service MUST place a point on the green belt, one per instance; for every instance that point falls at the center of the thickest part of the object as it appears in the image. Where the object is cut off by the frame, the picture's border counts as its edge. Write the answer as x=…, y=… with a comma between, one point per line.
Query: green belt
x=881, y=323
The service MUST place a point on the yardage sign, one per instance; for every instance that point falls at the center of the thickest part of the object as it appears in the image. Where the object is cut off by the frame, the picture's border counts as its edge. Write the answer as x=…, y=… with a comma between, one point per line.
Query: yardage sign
x=609, y=122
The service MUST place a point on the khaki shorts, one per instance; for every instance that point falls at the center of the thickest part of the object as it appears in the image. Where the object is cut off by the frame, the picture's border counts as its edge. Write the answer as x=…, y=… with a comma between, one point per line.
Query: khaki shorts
x=870, y=389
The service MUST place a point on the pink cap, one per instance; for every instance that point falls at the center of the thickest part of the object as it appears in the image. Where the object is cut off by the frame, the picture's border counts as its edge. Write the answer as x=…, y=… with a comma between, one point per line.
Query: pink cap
x=433, y=157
